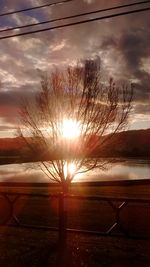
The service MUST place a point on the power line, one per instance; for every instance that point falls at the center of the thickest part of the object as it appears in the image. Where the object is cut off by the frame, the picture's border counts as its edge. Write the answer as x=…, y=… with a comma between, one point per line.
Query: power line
x=33, y=8
x=76, y=23
x=74, y=16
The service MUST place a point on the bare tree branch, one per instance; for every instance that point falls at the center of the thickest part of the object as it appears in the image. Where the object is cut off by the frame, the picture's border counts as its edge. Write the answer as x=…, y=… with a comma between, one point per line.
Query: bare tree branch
x=91, y=111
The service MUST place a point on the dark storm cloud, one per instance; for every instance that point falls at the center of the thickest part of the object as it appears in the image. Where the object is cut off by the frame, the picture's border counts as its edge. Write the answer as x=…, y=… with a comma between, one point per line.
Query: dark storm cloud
x=135, y=50
x=133, y=47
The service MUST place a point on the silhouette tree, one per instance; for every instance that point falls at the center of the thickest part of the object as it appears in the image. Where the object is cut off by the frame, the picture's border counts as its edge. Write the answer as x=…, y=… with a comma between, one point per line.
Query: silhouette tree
x=73, y=115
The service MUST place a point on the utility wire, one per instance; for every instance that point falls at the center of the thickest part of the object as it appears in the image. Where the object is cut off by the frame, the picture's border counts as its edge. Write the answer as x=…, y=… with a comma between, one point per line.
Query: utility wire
x=74, y=16
x=77, y=23
x=33, y=8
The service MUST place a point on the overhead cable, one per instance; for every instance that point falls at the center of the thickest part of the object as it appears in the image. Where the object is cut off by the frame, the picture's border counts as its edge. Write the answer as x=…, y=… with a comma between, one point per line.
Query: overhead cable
x=74, y=16
x=76, y=23
x=33, y=8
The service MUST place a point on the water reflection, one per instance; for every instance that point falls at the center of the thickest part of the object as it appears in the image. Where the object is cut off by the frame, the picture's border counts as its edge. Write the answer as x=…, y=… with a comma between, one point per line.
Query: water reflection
x=22, y=173
x=128, y=169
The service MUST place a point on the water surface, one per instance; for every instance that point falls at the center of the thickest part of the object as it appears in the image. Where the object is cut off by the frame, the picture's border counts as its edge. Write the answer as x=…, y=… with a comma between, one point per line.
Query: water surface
x=126, y=169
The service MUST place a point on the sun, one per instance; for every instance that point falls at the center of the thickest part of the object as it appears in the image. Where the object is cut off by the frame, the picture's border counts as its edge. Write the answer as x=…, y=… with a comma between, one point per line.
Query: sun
x=70, y=129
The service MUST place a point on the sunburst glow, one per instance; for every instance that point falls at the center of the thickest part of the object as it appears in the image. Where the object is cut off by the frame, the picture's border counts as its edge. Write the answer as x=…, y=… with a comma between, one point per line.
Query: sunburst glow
x=70, y=128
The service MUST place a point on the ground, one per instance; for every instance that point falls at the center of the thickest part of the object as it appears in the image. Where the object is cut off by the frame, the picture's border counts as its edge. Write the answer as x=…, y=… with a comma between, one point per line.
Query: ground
x=38, y=248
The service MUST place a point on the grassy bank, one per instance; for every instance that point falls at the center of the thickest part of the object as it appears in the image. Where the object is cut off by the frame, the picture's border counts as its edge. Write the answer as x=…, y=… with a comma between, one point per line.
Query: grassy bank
x=131, y=189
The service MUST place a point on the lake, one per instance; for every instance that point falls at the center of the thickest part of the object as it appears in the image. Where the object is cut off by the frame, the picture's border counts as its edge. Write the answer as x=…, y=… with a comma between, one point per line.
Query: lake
x=126, y=169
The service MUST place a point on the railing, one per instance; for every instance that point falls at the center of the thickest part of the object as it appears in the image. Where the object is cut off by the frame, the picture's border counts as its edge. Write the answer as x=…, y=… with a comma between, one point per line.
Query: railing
x=117, y=206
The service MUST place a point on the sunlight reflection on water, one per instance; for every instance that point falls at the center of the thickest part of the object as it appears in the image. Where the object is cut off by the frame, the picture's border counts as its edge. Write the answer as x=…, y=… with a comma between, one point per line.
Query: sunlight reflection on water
x=128, y=169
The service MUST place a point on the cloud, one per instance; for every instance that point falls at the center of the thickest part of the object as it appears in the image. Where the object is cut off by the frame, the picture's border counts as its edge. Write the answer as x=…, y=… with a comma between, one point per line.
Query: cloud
x=122, y=43
x=133, y=51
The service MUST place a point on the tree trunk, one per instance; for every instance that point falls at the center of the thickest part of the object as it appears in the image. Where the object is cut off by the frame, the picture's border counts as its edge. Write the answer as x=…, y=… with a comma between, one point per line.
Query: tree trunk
x=65, y=187
x=62, y=242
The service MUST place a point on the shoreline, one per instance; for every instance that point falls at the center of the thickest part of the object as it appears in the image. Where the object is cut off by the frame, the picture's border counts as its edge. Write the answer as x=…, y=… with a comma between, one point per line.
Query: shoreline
x=89, y=184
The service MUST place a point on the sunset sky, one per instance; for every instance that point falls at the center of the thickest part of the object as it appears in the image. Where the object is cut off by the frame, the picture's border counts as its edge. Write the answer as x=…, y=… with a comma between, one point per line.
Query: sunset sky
x=121, y=42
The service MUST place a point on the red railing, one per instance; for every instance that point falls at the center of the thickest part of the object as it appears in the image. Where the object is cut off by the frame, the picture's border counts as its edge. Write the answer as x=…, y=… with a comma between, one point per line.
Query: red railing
x=124, y=224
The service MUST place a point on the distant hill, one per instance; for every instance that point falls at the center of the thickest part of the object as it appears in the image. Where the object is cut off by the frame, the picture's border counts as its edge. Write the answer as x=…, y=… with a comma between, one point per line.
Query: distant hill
x=135, y=143
x=11, y=143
